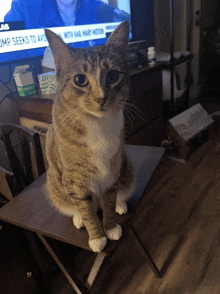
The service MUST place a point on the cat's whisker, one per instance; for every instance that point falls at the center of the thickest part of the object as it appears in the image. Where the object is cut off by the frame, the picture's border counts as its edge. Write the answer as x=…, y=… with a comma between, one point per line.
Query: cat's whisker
x=66, y=117
x=126, y=109
x=62, y=115
x=130, y=98
x=78, y=114
x=81, y=114
x=127, y=115
x=133, y=108
x=64, y=121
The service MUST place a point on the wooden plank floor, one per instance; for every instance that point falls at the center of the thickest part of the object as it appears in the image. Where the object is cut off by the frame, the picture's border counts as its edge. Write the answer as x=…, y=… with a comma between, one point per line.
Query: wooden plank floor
x=180, y=226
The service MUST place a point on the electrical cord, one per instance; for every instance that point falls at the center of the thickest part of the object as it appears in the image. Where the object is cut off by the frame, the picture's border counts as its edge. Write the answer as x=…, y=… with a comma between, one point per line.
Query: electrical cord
x=6, y=96
x=6, y=85
x=9, y=79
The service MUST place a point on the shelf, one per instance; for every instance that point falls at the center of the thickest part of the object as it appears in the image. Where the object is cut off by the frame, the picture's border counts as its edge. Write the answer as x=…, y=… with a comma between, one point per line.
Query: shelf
x=180, y=60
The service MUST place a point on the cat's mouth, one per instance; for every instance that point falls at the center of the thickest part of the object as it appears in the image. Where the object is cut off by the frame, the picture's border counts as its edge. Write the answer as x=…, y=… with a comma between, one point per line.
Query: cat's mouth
x=101, y=110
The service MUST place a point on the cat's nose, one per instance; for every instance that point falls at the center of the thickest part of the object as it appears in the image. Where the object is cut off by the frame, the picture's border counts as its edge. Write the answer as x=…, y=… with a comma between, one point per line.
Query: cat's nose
x=101, y=101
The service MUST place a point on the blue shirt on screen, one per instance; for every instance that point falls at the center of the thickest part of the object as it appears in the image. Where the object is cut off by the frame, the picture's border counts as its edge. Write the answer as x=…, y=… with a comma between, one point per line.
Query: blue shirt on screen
x=45, y=14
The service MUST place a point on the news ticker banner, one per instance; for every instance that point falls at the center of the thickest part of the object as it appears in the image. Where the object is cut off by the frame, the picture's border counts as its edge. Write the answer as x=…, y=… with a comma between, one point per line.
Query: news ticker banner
x=11, y=41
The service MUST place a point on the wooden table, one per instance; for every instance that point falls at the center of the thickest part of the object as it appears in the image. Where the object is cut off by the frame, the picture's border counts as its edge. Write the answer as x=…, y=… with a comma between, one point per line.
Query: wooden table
x=32, y=211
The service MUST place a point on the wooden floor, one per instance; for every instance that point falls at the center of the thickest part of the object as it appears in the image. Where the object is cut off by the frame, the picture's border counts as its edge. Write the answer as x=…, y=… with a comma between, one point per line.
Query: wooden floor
x=180, y=227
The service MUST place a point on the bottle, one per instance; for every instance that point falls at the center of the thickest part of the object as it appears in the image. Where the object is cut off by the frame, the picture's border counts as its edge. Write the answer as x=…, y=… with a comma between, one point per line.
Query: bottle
x=151, y=55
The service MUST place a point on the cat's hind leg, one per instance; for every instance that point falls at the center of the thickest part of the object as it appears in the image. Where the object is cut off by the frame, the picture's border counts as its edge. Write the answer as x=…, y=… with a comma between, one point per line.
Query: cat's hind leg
x=115, y=233
x=126, y=185
x=122, y=197
x=113, y=230
x=73, y=212
x=77, y=220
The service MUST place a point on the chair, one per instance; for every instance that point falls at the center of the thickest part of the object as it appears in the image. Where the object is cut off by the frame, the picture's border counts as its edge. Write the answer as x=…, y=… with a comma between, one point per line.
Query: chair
x=31, y=210
x=8, y=186
x=23, y=173
x=10, y=234
x=29, y=140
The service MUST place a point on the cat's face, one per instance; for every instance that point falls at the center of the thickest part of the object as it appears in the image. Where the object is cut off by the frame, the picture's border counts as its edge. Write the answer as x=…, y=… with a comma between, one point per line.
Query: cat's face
x=93, y=80
x=96, y=82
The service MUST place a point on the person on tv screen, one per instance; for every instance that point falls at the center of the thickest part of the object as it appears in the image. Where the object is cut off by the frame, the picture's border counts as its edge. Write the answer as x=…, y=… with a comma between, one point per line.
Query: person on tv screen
x=57, y=13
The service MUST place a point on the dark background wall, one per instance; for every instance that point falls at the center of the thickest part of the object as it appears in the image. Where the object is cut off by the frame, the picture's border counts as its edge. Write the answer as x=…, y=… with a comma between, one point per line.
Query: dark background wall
x=142, y=17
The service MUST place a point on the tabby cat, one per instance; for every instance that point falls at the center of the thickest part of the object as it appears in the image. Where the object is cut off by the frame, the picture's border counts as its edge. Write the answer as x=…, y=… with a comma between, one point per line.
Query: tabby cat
x=88, y=166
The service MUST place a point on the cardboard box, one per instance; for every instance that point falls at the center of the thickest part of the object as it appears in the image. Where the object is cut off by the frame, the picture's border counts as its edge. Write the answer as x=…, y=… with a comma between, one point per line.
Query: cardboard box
x=48, y=82
x=24, y=80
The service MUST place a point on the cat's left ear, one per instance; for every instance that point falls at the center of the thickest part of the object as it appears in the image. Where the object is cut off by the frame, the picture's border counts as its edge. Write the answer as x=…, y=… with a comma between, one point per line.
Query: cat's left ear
x=120, y=37
x=60, y=50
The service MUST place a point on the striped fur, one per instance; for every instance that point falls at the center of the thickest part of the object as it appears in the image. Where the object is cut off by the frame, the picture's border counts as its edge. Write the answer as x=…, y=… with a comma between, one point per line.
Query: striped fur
x=88, y=166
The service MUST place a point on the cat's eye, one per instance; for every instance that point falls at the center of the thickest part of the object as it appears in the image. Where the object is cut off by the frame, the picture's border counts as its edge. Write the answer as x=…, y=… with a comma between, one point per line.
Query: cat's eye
x=112, y=76
x=81, y=80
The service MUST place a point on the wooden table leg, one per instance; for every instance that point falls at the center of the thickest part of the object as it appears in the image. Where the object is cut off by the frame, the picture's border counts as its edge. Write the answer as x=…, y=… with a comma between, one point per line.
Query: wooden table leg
x=80, y=289
x=95, y=269
x=38, y=263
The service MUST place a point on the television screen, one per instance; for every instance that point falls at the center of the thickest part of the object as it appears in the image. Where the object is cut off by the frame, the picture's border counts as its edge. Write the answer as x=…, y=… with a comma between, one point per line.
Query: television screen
x=80, y=23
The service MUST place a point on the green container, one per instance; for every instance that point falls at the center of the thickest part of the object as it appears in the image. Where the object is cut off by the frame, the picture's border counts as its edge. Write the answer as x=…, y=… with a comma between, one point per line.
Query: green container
x=48, y=82
x=24, y=80
x=26, y=90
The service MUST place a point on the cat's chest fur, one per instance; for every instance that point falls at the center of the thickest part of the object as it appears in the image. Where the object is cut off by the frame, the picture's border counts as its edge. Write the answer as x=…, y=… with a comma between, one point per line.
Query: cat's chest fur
x=103, y=138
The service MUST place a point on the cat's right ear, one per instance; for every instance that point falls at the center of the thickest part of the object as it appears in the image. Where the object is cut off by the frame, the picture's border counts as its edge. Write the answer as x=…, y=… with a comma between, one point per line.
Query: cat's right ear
x=60, y=50
x=120, y=37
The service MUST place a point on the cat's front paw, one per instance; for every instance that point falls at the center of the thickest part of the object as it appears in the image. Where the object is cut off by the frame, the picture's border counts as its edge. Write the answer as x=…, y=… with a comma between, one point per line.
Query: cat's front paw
x=114, y=234
x=97, y=245
x=121, y=207
x=77, y=221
